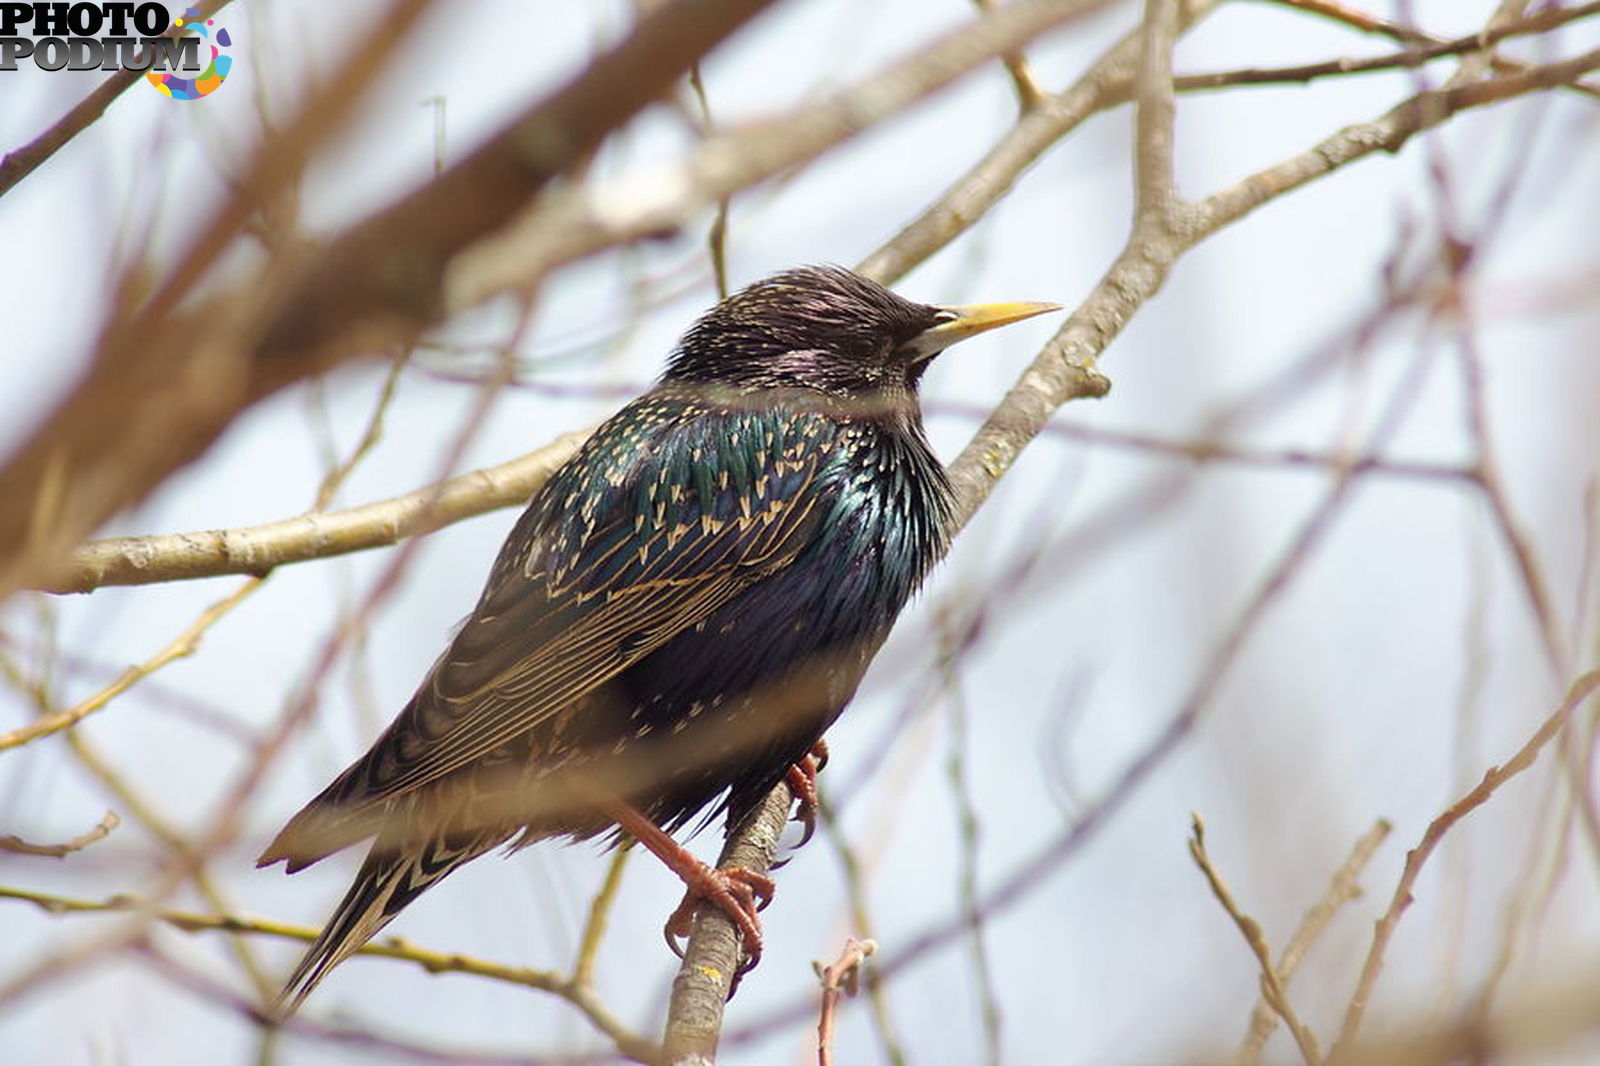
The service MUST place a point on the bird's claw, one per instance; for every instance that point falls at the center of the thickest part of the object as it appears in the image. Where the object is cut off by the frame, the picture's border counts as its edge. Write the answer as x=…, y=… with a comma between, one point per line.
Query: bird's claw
x=738, y=893
x=803, y=783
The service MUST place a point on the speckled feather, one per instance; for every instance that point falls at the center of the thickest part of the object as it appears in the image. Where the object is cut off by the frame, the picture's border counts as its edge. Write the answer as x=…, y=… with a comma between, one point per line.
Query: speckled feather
x=680, y=613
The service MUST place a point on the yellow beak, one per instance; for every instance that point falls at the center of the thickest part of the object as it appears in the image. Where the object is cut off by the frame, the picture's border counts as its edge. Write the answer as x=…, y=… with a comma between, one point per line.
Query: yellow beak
x=968, y=320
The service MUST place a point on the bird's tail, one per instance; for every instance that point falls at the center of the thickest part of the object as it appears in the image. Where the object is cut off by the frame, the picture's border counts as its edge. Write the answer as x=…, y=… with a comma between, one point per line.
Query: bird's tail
x=389, y=879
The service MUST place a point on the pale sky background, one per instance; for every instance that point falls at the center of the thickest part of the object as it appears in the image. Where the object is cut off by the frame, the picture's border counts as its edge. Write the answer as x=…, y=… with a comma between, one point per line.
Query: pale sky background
x=1346, y=706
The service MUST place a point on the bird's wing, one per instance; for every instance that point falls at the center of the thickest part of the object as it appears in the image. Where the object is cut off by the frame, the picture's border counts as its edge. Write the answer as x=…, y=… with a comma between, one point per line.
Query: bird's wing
x=618, y=555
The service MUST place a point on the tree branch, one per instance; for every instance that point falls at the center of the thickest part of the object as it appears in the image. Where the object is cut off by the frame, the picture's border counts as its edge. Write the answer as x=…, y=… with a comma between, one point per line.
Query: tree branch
x=314, y=535
x=391, y=947
x=17, y=846
x=1583, y=688
x=710, y=970
x=142, y=411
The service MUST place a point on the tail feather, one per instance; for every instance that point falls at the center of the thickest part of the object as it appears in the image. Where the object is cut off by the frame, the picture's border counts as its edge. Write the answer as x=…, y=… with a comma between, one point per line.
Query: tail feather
x=389, y=879
x=320, y=829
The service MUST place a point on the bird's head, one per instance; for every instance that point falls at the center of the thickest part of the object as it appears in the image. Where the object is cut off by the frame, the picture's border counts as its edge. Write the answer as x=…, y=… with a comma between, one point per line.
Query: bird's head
x=828, y=329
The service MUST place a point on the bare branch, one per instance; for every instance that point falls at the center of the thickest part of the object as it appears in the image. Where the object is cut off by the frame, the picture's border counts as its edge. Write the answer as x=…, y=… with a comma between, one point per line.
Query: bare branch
x=392, y=947
x=181, y=646
x=841, y=977
x=1344, y=888
x=1417, y=857
x=1108, y=83
x=1416, y=56
x=374, y=287
x=1272, y=983
x=710, y=970
x=17, y=846
x=259, y=549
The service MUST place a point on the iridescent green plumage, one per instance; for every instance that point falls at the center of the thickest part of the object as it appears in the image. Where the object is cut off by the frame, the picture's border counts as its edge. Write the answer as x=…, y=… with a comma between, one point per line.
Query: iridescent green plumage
x=680, y=613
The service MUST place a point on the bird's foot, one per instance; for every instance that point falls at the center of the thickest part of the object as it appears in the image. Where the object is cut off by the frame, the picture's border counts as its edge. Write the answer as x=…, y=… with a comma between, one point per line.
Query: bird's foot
x=738, y=893
x=803, y=783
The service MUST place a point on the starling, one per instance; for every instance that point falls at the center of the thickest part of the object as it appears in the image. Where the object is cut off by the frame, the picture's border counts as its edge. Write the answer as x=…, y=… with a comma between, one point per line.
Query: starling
x=683, y=609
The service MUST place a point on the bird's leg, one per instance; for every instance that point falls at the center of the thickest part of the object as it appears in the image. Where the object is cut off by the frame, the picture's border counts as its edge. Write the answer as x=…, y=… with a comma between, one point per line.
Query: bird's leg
x=738, y=893
x=803, y=783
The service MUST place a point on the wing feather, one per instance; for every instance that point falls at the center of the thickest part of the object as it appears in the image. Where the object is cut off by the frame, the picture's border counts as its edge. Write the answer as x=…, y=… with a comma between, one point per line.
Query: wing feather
x=629, y=546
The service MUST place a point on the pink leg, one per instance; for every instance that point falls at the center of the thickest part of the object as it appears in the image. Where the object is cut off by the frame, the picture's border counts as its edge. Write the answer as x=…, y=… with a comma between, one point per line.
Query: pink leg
x=738, y=893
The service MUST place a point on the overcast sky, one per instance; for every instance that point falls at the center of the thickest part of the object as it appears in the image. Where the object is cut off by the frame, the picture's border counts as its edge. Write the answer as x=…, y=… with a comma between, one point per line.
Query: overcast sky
x=1399, y=662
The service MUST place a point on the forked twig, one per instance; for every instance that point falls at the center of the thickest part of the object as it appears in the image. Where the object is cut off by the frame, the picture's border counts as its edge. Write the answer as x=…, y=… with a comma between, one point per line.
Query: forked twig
x=844, y=976
x=1272, y=983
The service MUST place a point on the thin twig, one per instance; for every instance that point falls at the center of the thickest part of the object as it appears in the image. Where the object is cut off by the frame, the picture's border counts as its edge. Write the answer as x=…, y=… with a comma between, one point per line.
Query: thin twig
x=1029, y=93
x=1418, y=856
x=1416, y=56
x=17, y=846
x=393, y=947
x=594, y=930
x=181, y=646
x=968, y=836
x=1344, y=887
x=843, y=977
x=1272, y=984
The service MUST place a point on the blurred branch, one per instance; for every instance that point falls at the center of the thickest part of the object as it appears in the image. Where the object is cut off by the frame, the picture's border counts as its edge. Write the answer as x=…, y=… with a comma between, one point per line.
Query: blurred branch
x=1272, y=983
x=968, y=835
x=181, y=646
x=17, y=846
x=1344, y=888
x=375, y=286
x=594, y=930
x=393, y=947
x=1417, y=857
x=1544, y=1023
x=1029, y=93
x=581, y=221
x=366, y=1039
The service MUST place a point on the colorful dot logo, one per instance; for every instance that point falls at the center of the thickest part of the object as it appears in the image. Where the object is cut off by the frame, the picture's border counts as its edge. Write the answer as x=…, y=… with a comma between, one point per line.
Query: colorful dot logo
x=210, y=79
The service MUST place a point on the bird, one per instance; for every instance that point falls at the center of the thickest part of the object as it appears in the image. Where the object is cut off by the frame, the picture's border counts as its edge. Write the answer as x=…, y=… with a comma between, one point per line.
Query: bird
x=683, y=609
